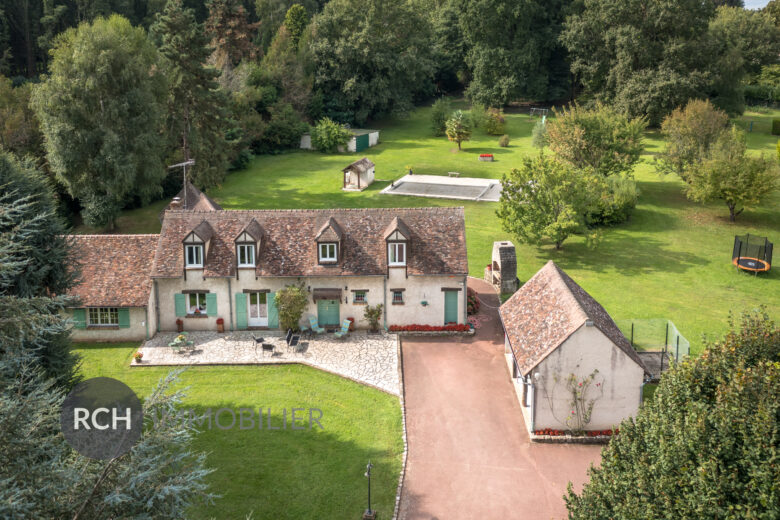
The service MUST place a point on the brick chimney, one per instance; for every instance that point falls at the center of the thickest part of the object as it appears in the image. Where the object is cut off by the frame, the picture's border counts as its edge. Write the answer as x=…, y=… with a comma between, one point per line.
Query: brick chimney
x=176, y=203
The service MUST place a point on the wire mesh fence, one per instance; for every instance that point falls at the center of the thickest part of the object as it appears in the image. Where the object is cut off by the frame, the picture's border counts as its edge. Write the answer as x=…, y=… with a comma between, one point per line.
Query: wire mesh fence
x=659, y=335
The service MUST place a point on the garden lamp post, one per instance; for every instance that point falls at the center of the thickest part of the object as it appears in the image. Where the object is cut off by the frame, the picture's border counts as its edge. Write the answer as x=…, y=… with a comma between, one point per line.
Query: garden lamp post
x=369, y=514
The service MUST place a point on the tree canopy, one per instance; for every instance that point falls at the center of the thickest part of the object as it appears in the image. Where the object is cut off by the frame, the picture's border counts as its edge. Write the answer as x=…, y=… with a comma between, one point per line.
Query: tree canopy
x=371, y=57
x=101, y=113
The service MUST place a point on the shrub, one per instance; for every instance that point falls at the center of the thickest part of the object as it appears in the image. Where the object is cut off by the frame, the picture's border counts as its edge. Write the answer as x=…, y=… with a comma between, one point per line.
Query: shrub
x=478, y=115
x=472, y=301
x=284, y=130
x=617, y=202
x=440, y=112
x=775, y=126
x=328, y=135
x=291, y=302
x=495, y=124
x=503, y=141
x=373, y=314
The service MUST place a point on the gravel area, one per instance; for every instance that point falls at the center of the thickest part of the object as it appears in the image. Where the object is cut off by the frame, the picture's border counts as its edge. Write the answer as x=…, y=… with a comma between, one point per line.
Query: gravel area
x=371, y=359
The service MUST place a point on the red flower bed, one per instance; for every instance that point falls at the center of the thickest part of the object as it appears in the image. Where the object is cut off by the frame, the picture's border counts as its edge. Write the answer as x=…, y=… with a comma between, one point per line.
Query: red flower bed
x=486, y=155
x=590, y=433
x=453, y=327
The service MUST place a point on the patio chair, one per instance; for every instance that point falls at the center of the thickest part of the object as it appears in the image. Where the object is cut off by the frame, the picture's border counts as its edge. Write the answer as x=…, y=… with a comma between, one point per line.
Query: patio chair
x=296, y=345
x=344, y=329
x=268, y=347
x=315, y=327
x=289, y=335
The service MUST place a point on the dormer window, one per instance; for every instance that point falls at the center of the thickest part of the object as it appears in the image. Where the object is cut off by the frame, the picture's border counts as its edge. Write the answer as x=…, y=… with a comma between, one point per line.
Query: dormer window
x=329, y=241
x=397, y=236
x=193, y=255
x=396, y=253
x=246, y=255
x=328, y=252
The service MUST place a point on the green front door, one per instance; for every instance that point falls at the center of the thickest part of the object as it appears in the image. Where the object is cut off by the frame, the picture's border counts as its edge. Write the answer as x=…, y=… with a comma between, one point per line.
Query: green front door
x=361, y=142
x=450, y=307
x=328, y=313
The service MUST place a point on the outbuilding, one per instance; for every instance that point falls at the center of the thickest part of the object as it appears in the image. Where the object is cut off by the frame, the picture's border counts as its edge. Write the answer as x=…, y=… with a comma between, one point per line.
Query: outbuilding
x=571, y=366
x=358, y=175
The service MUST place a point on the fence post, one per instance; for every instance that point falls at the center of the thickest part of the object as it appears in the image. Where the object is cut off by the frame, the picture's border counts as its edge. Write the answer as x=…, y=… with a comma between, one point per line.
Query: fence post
x=632, y=333
x=666, y=335
x=677, y=352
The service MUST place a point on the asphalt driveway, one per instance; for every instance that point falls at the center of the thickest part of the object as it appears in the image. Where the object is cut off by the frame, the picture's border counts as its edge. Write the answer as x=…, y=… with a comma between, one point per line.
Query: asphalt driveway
x=470, y=456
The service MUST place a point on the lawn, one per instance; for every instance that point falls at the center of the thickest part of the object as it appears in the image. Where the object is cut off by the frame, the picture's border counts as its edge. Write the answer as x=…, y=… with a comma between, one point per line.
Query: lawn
x=285, y=473
x=671, y=260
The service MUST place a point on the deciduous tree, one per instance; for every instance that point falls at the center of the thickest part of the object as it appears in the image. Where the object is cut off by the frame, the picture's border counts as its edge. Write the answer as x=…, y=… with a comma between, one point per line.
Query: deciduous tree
x=101, y=113
x=295, y=20
x=705, y=445
x=689, y=133
x=458, y=128
x=371, y=57
x=600, y=138
x=546, y=199
x=730, y=175
x=643, y=57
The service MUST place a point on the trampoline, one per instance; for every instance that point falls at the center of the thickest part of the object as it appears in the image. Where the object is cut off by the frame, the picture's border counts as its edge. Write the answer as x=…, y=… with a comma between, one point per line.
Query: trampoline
x=753, y=254
x=440, y=187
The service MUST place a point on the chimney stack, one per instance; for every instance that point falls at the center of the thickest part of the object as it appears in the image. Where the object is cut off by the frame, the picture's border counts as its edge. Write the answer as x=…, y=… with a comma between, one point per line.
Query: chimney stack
x=176, y=203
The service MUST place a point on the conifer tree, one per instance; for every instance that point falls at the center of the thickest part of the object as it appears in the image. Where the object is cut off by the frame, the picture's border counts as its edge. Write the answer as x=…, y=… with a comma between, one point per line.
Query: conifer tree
x=196, y=121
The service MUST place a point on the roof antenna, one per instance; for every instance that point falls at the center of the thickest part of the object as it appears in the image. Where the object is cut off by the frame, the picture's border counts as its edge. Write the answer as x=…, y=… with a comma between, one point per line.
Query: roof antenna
x=183, y=166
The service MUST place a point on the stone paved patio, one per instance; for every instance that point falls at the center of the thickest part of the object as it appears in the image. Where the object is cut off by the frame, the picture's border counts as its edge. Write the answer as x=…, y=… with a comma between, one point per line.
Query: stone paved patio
x=367, y=358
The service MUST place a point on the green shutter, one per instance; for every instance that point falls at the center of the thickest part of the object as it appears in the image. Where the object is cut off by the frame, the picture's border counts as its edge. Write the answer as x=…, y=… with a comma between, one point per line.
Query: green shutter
x=273, y=312
x=211, y=304
x=180, y=301
x=124, y=318
x=80, y=318
x=241, y=316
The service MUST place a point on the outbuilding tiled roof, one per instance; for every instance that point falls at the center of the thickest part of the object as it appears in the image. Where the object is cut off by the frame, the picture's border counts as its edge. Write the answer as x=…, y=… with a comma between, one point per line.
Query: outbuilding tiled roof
x=115, y=269
x=289, y=248
x=546, y=310
x=360, y=166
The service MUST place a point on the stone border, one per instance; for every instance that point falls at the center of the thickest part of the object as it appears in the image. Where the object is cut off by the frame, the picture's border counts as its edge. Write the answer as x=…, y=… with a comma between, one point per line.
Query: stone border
x=401, y=392
x=570, y=439
x=400, y=333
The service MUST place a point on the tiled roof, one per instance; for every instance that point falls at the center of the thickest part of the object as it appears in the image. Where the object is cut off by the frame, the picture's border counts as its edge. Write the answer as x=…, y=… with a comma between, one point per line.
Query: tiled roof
x=195, y=200
x=546, y=310
x=437, y=244
x=360, y=166
x=115, y=269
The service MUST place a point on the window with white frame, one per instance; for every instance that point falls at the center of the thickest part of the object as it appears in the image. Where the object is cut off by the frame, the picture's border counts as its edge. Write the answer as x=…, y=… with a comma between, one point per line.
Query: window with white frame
x=328, y=252
x=396, y=253
x=398, y=297
x=246, y=255
x=196, y=303
x=193, y=255
x=359, y=297
x=103, y=316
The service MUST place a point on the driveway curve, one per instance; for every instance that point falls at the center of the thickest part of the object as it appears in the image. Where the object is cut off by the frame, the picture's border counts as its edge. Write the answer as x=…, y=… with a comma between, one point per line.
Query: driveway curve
x=470, y=455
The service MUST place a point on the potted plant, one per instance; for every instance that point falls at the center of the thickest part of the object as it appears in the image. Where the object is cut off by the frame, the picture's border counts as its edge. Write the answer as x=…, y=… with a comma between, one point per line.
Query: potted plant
x=179, y=325
x=373, y=314
x=351, y=324
x=138, y=356
x=220, y=325
x=486, y=157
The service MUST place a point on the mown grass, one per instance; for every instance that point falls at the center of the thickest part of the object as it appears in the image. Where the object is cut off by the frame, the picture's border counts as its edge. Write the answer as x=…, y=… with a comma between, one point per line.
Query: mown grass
x=288, y=473
x=671, y=260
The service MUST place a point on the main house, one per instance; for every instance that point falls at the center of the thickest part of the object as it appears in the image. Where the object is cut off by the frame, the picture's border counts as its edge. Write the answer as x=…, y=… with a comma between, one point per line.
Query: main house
x=210, y=264
x=571, y=366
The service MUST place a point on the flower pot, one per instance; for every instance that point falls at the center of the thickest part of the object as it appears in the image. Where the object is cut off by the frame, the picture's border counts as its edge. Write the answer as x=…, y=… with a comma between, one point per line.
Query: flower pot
x=179, y=326
x=220, y=327
x=351, y=324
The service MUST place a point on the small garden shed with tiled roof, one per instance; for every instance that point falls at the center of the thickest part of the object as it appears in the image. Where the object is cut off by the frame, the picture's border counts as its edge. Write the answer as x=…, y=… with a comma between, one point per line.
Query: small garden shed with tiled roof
x=571, y=366
x=358, y=175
